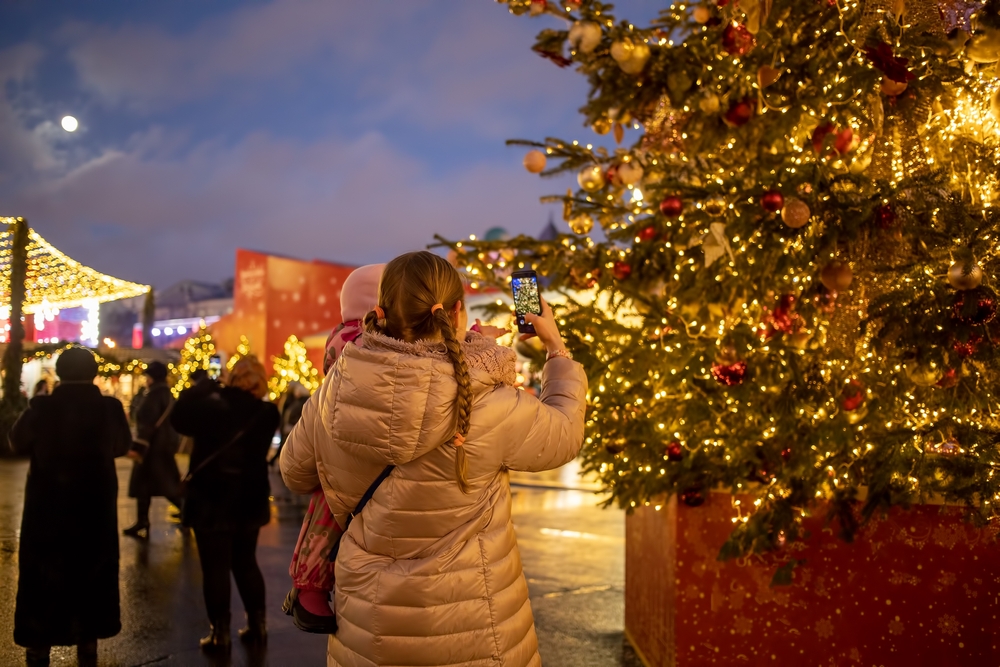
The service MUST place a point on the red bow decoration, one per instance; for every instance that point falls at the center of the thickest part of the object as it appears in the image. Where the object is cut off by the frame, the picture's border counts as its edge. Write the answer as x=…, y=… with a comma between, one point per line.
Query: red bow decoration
x=895, y=68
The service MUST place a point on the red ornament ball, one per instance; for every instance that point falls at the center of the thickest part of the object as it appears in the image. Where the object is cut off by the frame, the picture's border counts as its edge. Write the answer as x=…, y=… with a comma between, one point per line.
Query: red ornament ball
x=853, y=396
x=784, y=319
x=674, y=451
x=740, y=113
x=948, y=380
x=976, y=309
x=968, y=347
x=772, y=201
x=885, y=216
x=671, y=206
x=647, y=233
x=693, y=497
x=737, y=40
x=622, y=270
x=836, y=276
x=729, y=374
x=786, y=453
x=819, y=135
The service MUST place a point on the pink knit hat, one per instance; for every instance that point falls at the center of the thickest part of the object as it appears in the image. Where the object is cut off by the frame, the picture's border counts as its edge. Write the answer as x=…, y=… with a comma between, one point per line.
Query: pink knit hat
x=360, y=292
x=358, y=296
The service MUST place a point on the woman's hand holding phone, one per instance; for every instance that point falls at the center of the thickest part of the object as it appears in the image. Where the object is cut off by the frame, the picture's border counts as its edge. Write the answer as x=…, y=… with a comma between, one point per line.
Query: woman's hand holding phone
x=545, y=328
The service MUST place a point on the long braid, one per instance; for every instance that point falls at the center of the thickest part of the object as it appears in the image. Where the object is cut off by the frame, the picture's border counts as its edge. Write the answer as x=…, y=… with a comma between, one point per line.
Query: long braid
x=463, y=401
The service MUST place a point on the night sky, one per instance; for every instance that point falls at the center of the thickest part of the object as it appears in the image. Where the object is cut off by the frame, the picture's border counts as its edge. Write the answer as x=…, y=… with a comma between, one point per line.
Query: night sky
x=346, y=131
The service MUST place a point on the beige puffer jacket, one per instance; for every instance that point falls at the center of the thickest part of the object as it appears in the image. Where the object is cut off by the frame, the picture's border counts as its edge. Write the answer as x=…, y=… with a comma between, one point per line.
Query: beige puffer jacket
x=428, y=575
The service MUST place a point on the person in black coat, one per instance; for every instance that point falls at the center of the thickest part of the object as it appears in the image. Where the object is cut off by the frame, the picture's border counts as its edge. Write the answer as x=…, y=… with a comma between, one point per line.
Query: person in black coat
x=228, y=492
x=67, y=592
x=155, y=470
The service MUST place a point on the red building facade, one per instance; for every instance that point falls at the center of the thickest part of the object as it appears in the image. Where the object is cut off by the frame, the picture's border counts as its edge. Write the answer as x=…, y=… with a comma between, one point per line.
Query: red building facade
x=275, y=297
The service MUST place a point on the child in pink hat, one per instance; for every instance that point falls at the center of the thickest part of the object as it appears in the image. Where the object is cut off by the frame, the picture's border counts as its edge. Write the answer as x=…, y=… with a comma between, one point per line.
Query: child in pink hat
x=308, y=603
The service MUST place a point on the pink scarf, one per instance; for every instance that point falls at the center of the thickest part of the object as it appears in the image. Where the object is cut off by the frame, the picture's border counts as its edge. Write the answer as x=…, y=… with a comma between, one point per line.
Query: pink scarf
x=346, y=332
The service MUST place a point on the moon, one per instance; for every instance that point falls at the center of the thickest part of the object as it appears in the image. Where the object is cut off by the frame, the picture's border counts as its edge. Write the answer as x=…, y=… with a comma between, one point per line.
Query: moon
x=70, y=124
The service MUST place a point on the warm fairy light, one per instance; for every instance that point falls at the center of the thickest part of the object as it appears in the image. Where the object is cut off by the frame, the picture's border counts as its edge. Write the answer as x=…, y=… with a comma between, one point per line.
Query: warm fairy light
x=294, y=366
x=881, y=379
x=56, y=281
x=197, y=353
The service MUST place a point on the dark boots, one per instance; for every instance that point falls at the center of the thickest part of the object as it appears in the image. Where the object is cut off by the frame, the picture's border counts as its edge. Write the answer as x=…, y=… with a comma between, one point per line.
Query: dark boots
x=218, y=639
x=37, y=657
x=256, y=631
x=86, y=654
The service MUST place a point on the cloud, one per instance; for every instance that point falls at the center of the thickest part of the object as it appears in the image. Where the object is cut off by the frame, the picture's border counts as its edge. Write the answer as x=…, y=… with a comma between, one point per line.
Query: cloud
x=425, y=92
x=431, y=64
x=155, y=218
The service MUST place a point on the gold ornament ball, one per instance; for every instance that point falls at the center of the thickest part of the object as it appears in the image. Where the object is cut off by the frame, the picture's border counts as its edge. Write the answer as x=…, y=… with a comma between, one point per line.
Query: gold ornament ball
x=892, y=88
x=701, y=14
x=795, y=213
x=709, y=103
x=630, y=173
x=591, y=178
x=602, y=126
x=836, y=276
x=581, y=224
x=621, y=50
x=923, y=374
x=635, y=64
x=965, y=275
x=535, y=161
x=715, y=206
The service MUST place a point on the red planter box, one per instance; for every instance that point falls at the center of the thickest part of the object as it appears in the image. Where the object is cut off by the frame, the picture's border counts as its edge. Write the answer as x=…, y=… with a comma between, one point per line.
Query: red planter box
x=918, y=587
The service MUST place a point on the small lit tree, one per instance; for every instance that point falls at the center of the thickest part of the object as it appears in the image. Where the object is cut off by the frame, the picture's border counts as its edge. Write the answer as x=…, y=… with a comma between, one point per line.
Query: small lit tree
x=242, y=350
x=198, y=350
x=293, y=366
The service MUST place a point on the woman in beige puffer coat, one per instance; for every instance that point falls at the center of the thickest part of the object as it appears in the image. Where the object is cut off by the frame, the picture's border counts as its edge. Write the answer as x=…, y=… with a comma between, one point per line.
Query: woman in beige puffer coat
x=429, y=573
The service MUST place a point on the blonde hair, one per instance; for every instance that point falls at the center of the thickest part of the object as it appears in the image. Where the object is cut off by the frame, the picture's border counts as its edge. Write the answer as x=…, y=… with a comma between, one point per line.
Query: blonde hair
x=412, y=286
x=249, y=375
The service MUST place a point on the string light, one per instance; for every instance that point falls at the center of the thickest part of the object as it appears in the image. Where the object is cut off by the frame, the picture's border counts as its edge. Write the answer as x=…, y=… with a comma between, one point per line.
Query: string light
x=294, y=366
x=55, y=281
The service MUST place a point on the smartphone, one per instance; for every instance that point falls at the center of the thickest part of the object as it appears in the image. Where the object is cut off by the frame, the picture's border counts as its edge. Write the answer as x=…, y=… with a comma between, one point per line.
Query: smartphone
x=524, y=285
x=214, y=367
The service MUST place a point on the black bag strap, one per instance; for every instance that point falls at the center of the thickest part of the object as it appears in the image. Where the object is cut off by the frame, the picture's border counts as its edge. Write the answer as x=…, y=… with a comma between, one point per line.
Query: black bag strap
x=214, y=455
x=361, y=505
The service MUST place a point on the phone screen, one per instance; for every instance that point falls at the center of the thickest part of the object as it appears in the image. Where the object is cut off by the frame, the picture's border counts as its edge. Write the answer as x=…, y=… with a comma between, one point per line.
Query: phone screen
x=524, y=285
x=215, y=367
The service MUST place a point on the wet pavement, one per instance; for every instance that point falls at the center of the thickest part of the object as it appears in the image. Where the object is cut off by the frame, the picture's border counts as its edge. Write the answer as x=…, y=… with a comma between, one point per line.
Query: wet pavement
x=573, y=554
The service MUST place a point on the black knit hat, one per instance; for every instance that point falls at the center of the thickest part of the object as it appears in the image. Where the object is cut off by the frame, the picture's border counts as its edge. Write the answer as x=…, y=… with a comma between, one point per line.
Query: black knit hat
x=77, y=364
x=157, y=371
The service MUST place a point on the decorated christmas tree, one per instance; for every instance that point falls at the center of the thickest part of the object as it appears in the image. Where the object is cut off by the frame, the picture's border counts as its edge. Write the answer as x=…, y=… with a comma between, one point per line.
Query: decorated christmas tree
x=198, y=350
x=779, y=259
x=293, y=366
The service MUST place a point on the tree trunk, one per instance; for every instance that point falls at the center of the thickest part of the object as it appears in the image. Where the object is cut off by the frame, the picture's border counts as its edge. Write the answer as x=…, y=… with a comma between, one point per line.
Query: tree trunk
x=12, y=358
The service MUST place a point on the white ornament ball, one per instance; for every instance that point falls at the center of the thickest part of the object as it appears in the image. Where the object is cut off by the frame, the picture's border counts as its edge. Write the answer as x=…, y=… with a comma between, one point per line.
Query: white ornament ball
x=535, y=161
x=591, y=178
x=584, y=36
x=630, y=173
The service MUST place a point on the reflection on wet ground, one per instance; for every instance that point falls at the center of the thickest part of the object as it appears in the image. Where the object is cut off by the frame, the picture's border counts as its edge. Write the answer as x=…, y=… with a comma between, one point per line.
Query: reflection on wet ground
x=573, y=555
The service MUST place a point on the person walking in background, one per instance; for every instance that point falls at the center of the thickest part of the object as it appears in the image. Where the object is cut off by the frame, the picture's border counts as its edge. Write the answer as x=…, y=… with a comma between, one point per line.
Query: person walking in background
x=154, y=472
x=429, y=573
x=228, y=492
x=308, y=603
x=67, y=592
